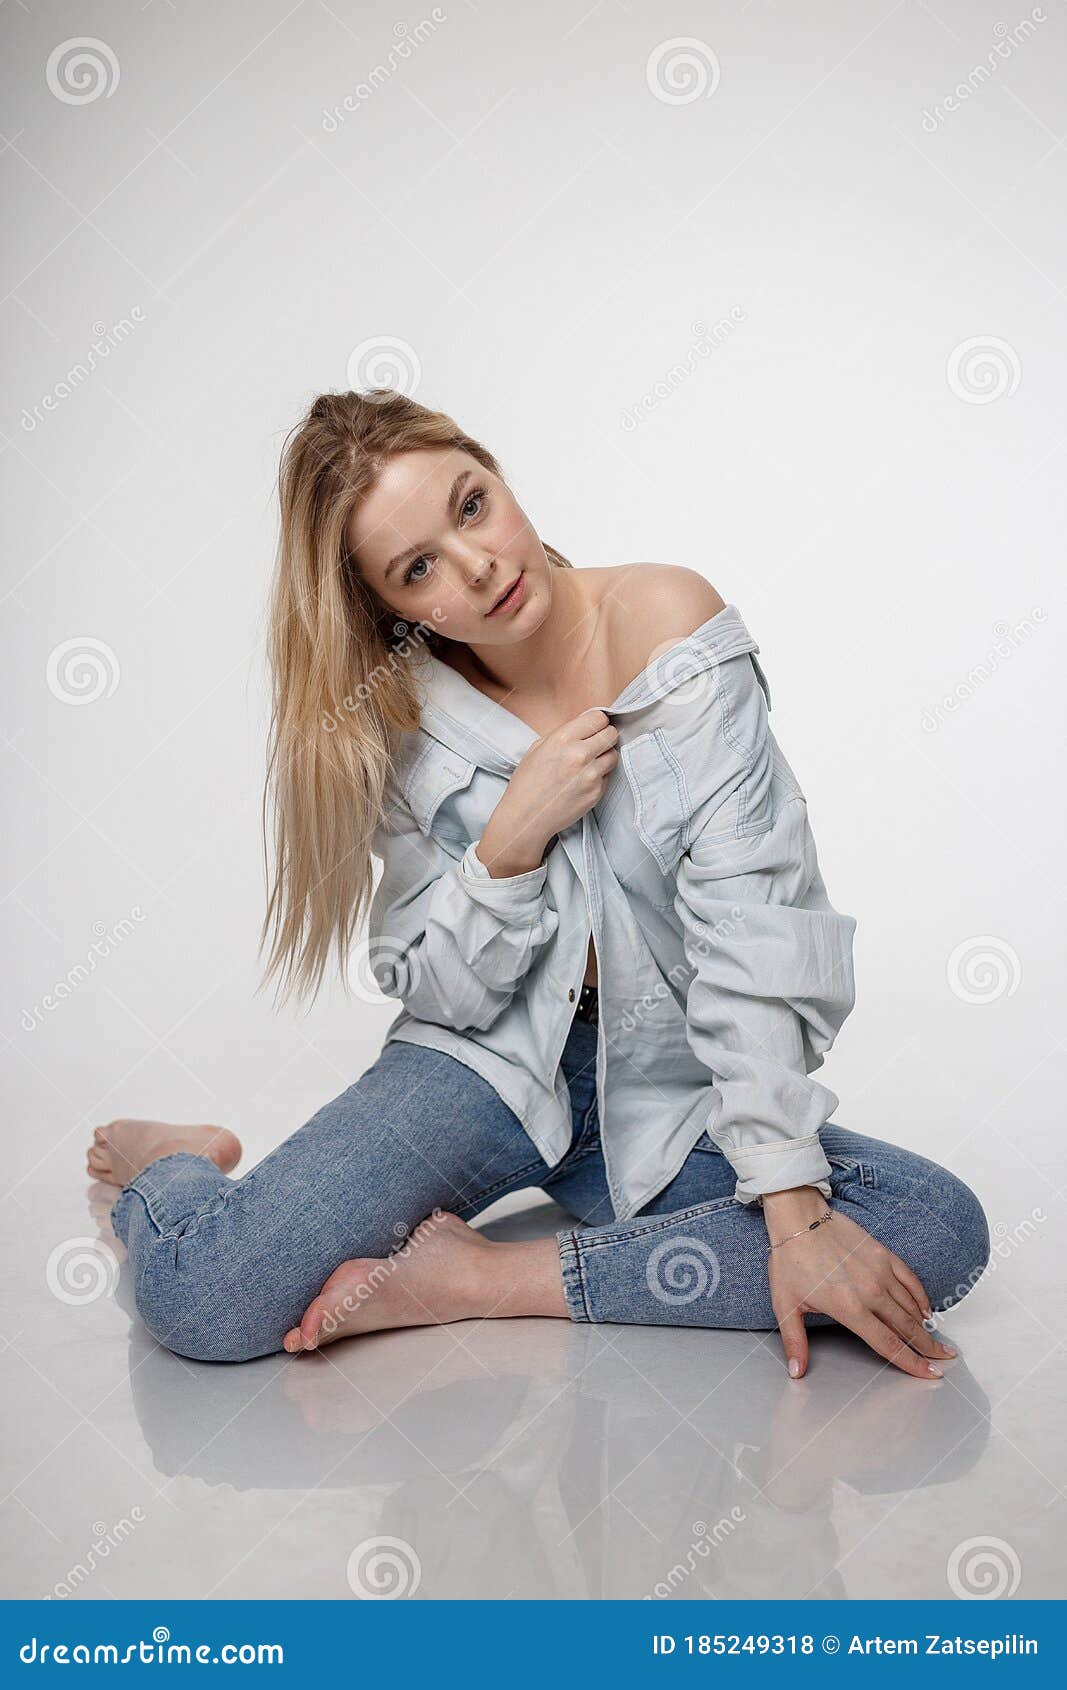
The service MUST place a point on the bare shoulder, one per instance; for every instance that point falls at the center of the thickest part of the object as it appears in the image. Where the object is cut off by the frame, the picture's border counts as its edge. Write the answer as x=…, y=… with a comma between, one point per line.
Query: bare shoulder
x=665, y=601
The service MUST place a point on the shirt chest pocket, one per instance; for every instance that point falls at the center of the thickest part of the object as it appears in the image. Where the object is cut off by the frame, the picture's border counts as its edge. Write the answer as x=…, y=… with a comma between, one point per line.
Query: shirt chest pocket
x=647, y=826
x=450, y=797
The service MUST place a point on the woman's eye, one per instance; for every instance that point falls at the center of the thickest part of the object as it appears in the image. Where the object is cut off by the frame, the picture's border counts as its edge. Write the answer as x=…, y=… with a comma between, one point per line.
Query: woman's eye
x=476, y=495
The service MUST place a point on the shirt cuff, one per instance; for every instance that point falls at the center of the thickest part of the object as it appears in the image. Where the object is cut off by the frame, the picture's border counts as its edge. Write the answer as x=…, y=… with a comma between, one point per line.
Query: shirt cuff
x=532, y=880
x=763, y=1168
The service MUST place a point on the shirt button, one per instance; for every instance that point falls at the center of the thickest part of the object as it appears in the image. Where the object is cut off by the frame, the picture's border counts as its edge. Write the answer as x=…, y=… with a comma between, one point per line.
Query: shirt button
x=570, y=995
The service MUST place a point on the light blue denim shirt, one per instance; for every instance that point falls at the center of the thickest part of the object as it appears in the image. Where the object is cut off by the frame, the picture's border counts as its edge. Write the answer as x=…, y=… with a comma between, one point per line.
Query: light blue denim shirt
x=724, y=972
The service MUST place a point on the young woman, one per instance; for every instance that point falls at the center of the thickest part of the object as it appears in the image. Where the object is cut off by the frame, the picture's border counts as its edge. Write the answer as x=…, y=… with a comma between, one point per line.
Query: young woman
x=602, y=912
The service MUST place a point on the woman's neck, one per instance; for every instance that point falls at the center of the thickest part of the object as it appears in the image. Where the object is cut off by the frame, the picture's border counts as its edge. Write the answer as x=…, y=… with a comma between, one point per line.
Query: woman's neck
x=543, y=665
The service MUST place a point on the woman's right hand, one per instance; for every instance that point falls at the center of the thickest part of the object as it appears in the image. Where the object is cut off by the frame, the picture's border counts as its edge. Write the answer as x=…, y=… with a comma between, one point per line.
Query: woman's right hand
x=561, y=777
x=840, y=1270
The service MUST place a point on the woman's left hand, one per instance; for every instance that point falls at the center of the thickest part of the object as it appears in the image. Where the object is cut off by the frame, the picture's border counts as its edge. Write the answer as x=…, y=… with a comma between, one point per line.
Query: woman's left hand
x=842, y=1271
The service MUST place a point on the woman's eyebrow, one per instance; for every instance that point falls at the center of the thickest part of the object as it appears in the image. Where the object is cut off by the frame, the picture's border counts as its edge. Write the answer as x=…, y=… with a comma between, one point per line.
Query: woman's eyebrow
x=412, y=551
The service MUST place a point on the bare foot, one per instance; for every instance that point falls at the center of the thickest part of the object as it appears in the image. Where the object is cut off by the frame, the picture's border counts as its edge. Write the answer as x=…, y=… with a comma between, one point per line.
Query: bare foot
x=446, y=1271
x=122, y=1148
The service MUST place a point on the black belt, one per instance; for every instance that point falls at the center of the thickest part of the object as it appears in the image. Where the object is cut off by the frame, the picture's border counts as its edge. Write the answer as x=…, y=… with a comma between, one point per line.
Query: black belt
x=588, y=1005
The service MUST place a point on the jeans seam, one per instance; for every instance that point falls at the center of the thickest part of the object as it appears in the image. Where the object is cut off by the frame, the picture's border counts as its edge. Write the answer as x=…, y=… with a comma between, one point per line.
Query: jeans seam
x=593, y=1101
x=147, y=1199
x=578, y=1151
x=568, y=1163
x=573, y=1279
x=150, y=1196
x=583, y=1154
x=866, y=1171
x=213, y=1206
x=508, y=1179
x=581, y=1147
x=138, y=1290
x=660, y=1223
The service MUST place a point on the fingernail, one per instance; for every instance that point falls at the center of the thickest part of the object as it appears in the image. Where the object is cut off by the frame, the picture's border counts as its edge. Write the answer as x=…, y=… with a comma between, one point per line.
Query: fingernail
x=950, y=1349
x=794, y=1368
x=938, y=1372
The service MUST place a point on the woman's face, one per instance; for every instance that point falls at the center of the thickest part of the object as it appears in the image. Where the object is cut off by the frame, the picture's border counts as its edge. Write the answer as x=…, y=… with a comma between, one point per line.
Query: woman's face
x=439, y=539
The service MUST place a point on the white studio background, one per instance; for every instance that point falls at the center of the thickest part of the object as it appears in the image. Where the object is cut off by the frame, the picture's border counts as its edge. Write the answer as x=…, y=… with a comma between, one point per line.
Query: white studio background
x=774, y=291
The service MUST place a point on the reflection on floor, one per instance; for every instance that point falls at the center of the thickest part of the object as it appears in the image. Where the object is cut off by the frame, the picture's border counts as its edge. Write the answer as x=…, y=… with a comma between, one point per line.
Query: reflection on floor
x=525, y=1458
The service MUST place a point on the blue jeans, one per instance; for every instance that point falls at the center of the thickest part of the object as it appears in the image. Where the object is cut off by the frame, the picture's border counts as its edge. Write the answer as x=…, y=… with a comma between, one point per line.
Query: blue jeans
x=223, y=1267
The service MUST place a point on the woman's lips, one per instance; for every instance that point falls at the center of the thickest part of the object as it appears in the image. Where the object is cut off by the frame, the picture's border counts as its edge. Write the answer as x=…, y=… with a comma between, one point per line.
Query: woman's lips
x=512, y=599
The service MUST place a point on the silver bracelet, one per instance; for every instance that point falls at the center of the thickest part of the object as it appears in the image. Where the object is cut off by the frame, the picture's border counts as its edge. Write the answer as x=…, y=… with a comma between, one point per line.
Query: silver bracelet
x=822, y=1220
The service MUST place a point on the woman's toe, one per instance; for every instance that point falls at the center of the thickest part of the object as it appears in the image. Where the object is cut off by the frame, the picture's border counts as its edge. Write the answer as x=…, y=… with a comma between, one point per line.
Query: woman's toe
x=311, y=1325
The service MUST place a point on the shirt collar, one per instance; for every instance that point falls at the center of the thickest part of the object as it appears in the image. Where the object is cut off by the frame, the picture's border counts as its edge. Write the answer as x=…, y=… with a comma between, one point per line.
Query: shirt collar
x=477, y=727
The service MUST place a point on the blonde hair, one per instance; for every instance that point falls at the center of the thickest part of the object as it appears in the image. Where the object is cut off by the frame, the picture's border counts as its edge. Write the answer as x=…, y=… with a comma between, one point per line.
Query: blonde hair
x=341, y=683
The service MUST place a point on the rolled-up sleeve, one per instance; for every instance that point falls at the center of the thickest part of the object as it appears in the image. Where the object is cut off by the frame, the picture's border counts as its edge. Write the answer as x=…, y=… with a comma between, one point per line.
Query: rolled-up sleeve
x=446, y=937
x=772, y=984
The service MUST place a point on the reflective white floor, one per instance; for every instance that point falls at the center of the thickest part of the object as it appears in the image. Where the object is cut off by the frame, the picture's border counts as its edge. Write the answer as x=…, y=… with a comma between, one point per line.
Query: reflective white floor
x=525, y=1458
